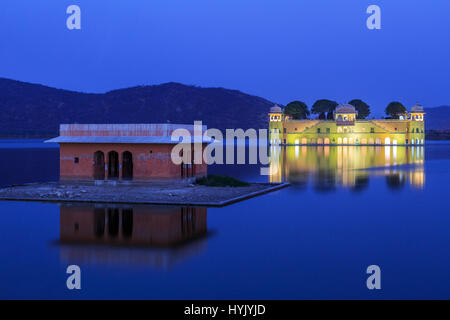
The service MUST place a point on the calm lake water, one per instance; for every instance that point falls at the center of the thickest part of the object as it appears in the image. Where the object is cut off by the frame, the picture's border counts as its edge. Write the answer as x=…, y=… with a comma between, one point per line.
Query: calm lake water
x=347, y=208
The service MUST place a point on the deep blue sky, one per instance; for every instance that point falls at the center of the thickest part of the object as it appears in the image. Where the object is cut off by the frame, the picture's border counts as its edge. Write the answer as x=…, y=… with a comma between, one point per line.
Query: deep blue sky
x=280, y=49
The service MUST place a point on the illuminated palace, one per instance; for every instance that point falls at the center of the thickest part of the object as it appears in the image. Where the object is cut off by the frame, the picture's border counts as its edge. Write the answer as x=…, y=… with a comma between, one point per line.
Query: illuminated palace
x=346, y=129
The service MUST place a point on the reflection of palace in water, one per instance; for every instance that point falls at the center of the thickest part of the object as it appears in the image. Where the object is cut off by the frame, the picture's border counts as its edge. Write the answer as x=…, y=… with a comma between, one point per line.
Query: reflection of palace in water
x=348, y=166
x=154, y=235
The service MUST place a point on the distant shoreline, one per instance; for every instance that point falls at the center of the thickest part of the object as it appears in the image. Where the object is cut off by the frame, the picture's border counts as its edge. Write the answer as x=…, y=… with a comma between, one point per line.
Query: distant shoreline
x=433, y=135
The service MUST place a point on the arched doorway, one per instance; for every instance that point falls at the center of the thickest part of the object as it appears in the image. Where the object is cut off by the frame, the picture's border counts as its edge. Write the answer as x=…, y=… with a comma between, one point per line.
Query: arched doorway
x=127, y=165
x=387, y=141
x=99, y=165
x=113, y=165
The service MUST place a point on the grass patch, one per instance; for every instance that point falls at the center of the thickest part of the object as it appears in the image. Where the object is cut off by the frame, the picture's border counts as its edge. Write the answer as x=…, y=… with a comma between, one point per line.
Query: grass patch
x=213, y=180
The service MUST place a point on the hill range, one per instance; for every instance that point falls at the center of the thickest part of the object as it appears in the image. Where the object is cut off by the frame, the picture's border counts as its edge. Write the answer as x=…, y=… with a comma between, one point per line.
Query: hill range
x=33, y=110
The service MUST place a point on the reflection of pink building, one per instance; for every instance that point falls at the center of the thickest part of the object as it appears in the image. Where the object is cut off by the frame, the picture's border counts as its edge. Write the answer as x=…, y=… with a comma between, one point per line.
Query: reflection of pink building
x=131, y=226
x=123, y=152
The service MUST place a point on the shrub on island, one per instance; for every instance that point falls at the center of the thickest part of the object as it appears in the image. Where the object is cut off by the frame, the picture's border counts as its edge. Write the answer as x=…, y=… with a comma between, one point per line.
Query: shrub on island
x=213, y=180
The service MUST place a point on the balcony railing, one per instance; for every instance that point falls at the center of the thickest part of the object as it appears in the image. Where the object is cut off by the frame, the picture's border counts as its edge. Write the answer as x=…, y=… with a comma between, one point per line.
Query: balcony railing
x=345, y=123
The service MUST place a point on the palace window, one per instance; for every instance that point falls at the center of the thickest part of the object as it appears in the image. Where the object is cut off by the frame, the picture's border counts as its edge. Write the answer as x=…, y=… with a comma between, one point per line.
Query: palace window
x=328, y=130
x=76, y=160
x=284, y=130
x=318, y=130
x=372, y=130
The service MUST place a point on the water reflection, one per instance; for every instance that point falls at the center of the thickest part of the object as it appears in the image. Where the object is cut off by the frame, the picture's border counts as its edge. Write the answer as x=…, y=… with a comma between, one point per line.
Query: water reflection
x=329, y=167
x=153, y=235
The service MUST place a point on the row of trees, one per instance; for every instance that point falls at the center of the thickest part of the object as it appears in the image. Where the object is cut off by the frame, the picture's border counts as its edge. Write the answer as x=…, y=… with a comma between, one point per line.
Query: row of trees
x=324, y=108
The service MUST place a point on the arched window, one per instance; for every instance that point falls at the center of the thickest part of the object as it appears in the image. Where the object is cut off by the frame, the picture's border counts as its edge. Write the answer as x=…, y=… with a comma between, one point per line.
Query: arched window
x=387, y=141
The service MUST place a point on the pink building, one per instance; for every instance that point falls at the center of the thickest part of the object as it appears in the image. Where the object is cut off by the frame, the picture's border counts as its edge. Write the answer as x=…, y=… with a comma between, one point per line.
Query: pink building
x=118, y=152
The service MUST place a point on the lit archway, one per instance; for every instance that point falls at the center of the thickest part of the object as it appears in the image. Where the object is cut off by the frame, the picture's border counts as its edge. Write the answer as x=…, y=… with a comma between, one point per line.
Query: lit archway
x=387, y=141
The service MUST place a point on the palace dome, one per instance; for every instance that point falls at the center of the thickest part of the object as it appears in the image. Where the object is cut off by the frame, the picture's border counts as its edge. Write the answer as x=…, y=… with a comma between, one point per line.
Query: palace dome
x=345, y=108
x=276, y=109
x=417, y=108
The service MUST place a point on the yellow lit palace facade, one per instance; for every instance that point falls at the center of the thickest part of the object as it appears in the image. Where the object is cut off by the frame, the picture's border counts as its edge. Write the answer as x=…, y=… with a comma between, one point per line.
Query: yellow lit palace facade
x=346, y=129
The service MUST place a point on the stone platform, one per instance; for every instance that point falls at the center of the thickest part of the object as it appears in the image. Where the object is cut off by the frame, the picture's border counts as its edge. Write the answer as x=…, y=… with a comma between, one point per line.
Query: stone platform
x=168, y=193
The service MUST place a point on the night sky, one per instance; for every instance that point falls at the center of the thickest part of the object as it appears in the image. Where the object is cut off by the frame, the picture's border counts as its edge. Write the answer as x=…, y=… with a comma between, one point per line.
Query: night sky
x=279, y=50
